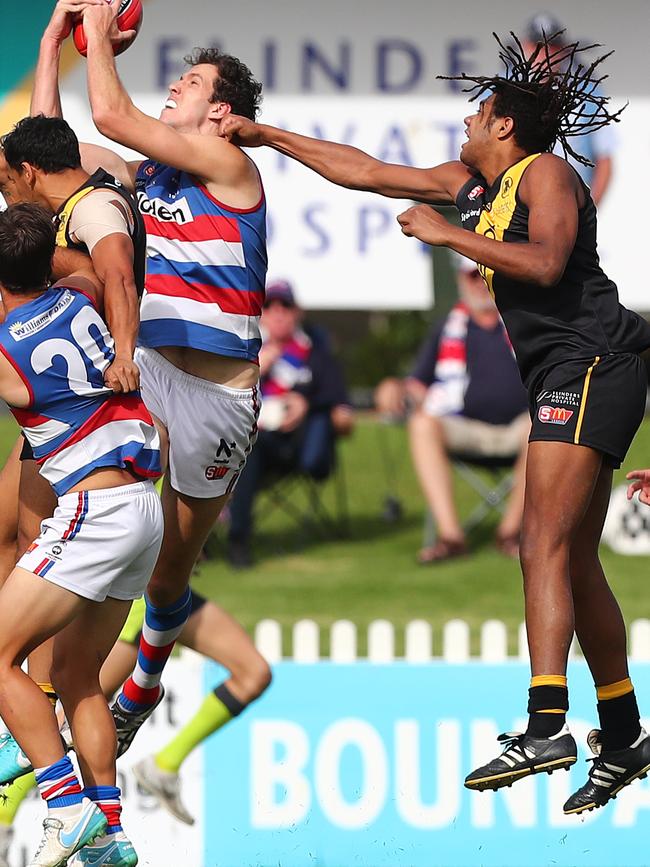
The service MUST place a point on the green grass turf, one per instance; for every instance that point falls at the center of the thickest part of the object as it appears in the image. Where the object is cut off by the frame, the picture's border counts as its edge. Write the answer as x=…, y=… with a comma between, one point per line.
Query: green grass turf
x=373, y=573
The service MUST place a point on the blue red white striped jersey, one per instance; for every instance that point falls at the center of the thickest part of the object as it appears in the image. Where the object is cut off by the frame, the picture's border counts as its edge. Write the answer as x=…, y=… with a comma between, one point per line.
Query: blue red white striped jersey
x=206, y=266
x=60, y=346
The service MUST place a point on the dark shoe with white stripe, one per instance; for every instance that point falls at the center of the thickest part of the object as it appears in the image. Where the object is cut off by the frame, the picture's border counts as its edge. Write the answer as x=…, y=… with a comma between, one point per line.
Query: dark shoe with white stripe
x=611, y=771
x=128, y=724
x=524, y=755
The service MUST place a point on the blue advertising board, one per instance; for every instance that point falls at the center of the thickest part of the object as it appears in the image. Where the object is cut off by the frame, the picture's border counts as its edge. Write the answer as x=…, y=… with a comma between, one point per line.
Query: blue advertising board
x=362, y=765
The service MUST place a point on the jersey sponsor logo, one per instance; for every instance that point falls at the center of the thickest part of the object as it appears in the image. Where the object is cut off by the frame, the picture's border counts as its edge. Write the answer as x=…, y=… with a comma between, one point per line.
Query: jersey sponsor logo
x=22, y=330
x=475, y=192
x=467, y=215
x=212, y=473
x=554, y=414
x=571, y=398
x=507, y=186
x=180, y=212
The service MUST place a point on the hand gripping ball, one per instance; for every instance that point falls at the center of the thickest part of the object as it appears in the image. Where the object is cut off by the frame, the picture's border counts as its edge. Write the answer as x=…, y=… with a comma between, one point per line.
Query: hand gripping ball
x=129, y=18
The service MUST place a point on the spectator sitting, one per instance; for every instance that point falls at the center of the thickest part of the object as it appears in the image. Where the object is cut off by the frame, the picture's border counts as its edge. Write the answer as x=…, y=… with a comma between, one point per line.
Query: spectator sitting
x=466, y=397
x=304, y=407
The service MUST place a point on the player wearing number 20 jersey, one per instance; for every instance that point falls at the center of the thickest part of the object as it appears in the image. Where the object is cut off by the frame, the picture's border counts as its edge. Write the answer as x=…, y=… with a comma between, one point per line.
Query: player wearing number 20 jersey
x=99, y=450
x=61, y=347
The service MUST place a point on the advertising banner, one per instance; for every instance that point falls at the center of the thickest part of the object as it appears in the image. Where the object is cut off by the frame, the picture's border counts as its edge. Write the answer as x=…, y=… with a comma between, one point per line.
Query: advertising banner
x=362, y=765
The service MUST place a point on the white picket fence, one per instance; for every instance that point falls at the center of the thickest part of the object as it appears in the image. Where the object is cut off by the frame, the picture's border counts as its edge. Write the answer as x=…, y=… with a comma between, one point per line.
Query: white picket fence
x=418, y=641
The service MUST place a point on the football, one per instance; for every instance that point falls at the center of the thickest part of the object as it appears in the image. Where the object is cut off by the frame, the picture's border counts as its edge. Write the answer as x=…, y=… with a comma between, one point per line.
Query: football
x=129, y=18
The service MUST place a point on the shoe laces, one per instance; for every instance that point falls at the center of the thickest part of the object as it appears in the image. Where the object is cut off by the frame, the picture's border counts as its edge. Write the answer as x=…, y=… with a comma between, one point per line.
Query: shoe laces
x=51, y=828
x=4, y=738
x=510, y=739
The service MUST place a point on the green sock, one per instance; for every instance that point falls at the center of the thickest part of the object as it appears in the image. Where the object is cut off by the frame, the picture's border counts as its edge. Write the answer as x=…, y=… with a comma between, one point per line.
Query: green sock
x=13, y=795
x=218, y=708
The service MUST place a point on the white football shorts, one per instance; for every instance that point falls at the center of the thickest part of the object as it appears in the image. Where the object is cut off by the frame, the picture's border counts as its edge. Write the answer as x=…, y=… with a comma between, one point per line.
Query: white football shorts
x=211, y=427
x=100, y=543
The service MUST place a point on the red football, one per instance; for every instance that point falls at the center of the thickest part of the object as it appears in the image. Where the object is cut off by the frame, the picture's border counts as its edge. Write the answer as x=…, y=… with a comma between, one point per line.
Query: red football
x=129, y=18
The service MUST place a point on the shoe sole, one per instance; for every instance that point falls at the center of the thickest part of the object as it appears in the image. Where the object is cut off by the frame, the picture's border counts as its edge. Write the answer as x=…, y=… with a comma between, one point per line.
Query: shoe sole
x=21, y=772
x=125, y=862
x=640, y=775
x=500, y=781
x=153, y=791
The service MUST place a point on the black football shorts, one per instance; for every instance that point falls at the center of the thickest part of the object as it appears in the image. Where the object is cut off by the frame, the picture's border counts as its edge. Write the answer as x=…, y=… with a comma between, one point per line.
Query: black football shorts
x=597, y=402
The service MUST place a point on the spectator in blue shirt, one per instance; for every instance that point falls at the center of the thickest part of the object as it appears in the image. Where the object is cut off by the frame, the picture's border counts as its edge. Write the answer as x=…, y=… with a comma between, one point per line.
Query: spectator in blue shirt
x=467, y=398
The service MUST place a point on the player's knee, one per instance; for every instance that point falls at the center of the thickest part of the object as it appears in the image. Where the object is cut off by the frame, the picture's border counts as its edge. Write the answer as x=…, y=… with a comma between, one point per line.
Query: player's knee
x=9, y=662
x=420, y=422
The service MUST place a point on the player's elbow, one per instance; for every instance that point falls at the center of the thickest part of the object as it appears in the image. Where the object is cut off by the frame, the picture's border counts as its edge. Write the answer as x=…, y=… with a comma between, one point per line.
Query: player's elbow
x=105, y=120
x=108, y=120
x=550, y=273
x=551, y=278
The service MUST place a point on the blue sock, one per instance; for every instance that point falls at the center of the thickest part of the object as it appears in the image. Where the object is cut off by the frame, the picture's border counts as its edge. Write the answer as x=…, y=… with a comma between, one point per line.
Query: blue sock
x=161, y=628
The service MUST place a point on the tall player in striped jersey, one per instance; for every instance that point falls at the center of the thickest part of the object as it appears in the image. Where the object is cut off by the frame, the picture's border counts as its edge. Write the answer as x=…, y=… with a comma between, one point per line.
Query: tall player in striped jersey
x=99, y=450
x=204, y=210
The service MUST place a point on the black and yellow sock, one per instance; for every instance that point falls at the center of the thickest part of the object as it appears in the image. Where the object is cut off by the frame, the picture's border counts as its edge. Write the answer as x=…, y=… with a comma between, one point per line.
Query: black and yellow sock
x=619, y=715
x=50, y=692
x=548, y=702
x=218, y=708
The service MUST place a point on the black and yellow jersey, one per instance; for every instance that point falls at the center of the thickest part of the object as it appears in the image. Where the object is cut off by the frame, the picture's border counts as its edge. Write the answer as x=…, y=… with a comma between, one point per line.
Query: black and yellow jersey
x=578, y=318
x=101, y=180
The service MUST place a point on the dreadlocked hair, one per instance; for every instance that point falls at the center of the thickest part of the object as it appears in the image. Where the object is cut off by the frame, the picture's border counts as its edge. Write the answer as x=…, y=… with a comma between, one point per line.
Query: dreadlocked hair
x=552, y=96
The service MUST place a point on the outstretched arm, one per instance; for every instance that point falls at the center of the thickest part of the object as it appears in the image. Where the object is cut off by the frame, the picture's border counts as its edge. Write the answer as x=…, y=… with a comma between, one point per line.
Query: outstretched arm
x=350, y=167
x=46, y=98
x=550, y=191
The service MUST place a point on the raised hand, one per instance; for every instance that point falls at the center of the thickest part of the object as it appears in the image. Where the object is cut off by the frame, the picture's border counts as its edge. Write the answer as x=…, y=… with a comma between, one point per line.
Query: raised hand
x=64, y=15
x=100, y=18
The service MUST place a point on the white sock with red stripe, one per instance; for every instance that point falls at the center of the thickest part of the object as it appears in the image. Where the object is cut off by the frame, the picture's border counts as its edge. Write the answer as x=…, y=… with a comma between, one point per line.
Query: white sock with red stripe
x=161, y=628
x=107, y=799
x=59, y=785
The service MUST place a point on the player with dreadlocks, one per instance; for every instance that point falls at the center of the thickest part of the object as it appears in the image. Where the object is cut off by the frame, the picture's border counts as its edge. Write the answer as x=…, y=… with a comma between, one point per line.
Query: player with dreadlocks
x=530, y=223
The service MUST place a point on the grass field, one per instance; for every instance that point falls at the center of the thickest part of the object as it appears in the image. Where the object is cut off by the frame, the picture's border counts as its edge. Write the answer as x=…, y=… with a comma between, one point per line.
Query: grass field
x=373, y=573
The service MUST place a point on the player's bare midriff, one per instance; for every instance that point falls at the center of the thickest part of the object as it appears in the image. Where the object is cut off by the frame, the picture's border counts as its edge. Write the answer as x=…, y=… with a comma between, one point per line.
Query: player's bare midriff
x=108, y=477
x=222, y=369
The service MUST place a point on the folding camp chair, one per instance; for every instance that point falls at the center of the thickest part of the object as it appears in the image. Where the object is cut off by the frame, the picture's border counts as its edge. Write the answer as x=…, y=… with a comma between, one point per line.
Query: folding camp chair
x=290, y=490
x=492, y=495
